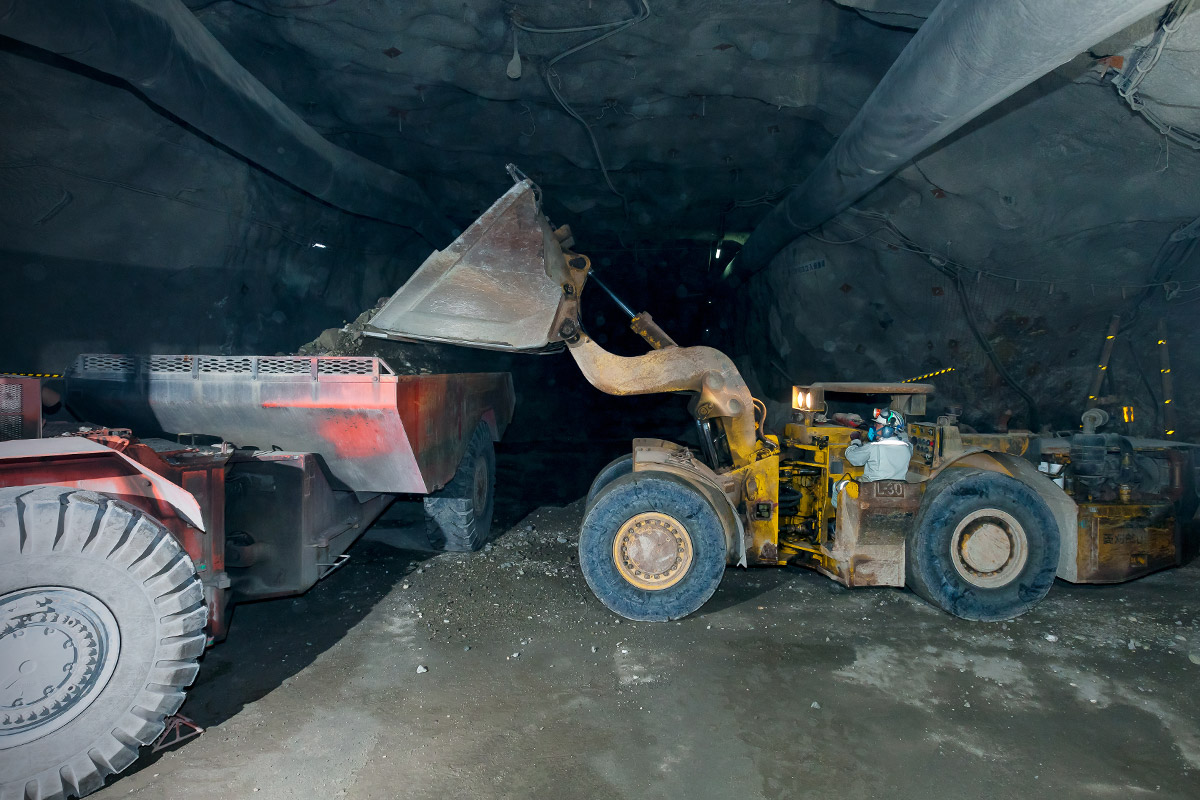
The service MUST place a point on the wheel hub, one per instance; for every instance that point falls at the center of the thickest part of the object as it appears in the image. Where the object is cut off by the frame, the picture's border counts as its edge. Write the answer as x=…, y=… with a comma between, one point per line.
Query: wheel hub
x=989, y=548
x=652, y=551
x=58, y=650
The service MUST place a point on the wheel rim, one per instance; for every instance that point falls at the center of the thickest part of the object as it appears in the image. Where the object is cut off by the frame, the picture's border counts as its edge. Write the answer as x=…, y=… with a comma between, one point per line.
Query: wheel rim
x=58, y=650
x=652, y=551
x=481, y=485
x=989, y=548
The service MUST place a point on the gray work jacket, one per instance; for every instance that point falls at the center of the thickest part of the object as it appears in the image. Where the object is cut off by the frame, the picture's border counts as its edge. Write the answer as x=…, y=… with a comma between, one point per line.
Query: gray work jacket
x=885, y=460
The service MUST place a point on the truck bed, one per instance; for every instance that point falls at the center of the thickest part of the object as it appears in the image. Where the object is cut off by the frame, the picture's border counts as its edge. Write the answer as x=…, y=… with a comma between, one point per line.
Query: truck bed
x=376, y=431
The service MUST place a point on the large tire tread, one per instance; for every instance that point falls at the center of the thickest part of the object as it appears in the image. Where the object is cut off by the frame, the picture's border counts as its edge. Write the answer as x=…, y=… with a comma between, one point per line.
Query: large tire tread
x=928, y=572
x=622, y=499
x=453, y=521
x=56, y=520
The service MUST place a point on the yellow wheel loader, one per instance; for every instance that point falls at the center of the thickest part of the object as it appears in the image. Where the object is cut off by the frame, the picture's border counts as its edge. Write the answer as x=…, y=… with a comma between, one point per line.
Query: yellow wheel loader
x=980, y=528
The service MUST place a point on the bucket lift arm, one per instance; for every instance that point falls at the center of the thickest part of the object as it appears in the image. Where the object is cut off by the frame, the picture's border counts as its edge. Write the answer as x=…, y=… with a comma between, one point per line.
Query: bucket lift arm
x=509, y=283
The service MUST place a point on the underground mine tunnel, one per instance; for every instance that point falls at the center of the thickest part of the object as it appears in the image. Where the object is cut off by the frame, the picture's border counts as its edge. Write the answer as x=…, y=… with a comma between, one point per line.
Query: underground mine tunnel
x=774, y=398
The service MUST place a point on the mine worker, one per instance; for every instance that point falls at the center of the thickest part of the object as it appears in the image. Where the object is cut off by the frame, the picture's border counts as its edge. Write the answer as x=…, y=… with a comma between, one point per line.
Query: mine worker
x=887, y=451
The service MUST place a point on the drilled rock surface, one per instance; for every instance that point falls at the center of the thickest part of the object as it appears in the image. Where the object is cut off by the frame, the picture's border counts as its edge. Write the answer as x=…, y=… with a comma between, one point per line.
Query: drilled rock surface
x=700, y=103
x=1050, y=209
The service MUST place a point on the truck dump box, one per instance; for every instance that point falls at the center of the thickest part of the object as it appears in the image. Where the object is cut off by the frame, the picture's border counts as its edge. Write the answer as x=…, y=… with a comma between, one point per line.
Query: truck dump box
x=375, y=430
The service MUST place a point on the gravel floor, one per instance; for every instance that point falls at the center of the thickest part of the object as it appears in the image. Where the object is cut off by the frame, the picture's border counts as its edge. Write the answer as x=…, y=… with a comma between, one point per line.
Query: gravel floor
x=497, y=674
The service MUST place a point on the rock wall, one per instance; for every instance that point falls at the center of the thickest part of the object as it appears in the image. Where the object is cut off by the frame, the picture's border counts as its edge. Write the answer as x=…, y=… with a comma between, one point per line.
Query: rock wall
x=123, y=231
x=1052, y=210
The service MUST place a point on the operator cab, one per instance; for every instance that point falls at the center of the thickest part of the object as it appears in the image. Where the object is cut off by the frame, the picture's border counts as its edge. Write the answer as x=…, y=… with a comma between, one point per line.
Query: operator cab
x=815, y=422
x=850, y=531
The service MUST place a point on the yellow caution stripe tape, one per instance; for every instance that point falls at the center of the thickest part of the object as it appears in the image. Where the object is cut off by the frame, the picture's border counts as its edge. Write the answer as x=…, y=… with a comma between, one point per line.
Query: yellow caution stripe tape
x=930, y=375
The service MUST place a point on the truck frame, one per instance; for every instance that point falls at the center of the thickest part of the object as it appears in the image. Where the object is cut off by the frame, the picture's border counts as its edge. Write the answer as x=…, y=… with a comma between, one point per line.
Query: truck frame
x=121, y=557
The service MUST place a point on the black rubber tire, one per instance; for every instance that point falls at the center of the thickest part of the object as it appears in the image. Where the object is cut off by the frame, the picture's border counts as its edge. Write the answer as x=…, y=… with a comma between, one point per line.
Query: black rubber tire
x=617, y=503
x=458, y=519
x=127, y=561
x=617, y=468
x=929, y=569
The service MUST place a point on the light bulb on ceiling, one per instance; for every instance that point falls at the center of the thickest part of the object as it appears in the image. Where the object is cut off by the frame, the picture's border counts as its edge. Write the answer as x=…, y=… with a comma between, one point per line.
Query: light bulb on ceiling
x=514, y=65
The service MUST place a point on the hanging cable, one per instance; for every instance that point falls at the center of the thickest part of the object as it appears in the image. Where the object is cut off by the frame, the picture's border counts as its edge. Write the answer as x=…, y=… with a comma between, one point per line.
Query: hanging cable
x=1030, y=403
x=550, y=76
x=1129, y=79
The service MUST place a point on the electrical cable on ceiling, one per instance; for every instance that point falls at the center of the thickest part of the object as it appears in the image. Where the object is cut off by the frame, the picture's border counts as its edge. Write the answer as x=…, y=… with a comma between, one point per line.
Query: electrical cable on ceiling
x=968, y=315
x=952, y=271
x=1129, y=79
x=550, y=76
x=1174, y=254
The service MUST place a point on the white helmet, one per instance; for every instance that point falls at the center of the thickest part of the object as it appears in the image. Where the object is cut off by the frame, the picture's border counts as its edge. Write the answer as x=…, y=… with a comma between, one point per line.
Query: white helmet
x=892, y=422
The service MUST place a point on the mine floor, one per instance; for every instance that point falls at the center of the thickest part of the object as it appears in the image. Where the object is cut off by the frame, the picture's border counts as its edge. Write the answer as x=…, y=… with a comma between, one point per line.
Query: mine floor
x=784, y=685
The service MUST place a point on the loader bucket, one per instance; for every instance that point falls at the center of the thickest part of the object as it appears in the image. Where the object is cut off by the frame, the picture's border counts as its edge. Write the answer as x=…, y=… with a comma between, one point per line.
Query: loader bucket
x=504, y=284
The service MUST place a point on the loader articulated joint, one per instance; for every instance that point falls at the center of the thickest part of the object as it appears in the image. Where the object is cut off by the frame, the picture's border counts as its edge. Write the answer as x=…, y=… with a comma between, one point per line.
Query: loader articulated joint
x=569, y=331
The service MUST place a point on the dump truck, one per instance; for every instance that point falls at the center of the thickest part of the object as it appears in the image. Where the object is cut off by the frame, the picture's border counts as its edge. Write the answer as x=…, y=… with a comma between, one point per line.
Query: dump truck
x=122, y=555
x=980, y=528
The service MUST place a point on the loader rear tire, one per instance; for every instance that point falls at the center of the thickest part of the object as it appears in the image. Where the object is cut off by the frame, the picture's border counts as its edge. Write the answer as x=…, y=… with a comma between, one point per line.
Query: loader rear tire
x=652, y=548
x=101, y=623
x=614, y=469
x=984, y=546
x=460, y=515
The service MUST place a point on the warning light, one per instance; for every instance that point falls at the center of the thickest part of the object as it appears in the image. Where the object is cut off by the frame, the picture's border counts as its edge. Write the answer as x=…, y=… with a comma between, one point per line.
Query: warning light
x=801, y=400
x=1127, y=413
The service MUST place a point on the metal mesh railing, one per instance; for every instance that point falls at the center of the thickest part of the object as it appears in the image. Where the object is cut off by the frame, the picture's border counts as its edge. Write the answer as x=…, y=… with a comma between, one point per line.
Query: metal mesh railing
x=11, y=424
x=348, y=365
x=226, y=365
x=285, y=367
x=280, y=365
x=10, y=397
x=105, y=363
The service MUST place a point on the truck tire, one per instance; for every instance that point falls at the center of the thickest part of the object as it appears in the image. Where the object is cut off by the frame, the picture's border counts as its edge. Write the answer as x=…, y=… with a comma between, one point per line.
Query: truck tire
x=460, y=515
x=652, y=547
x=101, y=623
x=616, y=468
x=984, y=546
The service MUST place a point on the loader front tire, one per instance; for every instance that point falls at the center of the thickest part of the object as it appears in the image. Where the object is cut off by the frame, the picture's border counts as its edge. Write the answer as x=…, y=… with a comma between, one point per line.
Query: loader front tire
x=652, y=548
x=460, y=515
x=617, y=468
x=984, y=546
x=101, y=623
